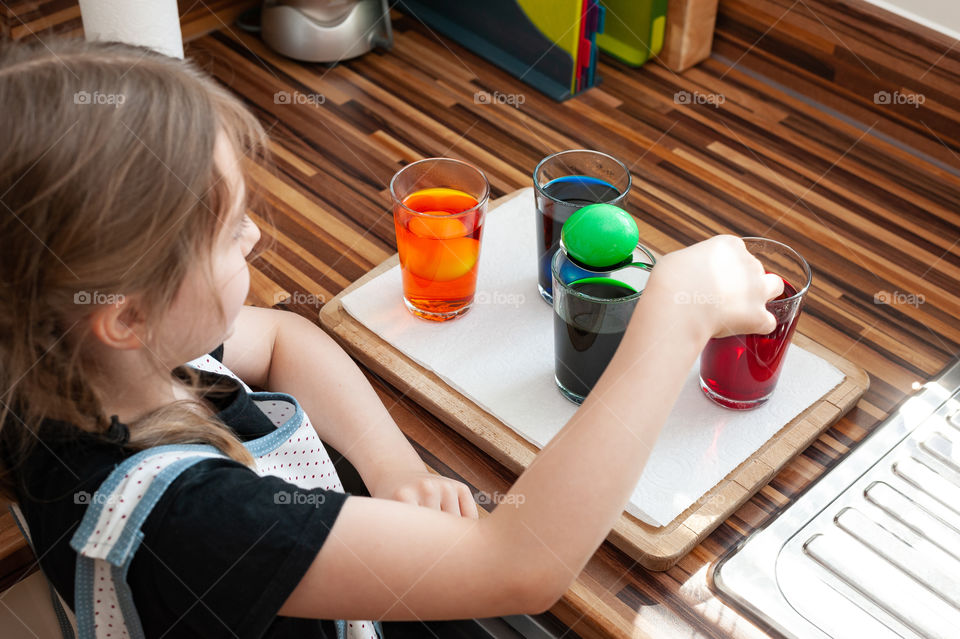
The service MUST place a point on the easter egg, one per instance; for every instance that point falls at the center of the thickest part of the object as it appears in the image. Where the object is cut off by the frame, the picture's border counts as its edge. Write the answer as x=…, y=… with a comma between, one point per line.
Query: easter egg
x=437, y=228
x=440, y=199
x=441, y=261
x=600, y=235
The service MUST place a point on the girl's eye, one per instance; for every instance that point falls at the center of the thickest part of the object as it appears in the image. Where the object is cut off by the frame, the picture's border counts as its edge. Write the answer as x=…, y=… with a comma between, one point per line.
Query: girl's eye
x=241, y=226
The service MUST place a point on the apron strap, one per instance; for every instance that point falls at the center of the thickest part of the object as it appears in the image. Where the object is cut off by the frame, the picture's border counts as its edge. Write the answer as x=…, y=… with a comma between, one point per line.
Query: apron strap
x=273, y=440
x=110, y=533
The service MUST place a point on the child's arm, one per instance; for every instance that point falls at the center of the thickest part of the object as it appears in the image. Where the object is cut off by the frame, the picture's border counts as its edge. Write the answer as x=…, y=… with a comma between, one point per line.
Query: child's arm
x=389, y=560
x=284, y=352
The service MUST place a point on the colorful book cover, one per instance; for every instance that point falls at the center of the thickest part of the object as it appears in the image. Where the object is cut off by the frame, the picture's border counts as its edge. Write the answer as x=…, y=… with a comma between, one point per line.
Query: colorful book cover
x=558, y=20
x=534, y=40
x=634, y=29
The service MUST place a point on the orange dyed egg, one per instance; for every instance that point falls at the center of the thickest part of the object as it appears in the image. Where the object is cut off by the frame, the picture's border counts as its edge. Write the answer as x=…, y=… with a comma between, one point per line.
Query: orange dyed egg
x=442, y=261
x=437, y=228
x=440, y=199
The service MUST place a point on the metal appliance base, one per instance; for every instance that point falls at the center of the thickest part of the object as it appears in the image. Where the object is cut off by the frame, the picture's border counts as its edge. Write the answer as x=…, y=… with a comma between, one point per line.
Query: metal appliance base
x=873, y=548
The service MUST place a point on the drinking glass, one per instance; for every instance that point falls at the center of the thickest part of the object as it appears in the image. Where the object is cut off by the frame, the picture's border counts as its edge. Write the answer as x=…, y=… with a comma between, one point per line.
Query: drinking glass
x=564, y=183
x=741, y=371
x=591, y=311
x=438, y=212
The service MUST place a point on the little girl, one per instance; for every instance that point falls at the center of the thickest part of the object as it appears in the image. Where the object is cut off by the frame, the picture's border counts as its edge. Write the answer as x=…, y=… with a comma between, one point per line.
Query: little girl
x=163, y=496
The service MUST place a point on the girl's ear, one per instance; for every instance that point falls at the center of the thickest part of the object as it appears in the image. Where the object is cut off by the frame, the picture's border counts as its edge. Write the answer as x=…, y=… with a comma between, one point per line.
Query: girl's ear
x=120, y=325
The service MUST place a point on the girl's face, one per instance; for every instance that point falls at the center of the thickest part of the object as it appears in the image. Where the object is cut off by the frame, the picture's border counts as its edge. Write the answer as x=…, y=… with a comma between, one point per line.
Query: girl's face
x=192, y=327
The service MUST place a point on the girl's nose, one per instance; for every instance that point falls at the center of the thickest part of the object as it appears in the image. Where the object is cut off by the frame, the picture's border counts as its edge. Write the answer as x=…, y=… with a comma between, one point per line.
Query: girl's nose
x=251, y=236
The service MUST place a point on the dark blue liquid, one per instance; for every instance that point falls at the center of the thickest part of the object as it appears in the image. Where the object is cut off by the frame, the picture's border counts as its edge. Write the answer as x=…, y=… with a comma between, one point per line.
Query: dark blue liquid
x=586, y=336
x=574, y=192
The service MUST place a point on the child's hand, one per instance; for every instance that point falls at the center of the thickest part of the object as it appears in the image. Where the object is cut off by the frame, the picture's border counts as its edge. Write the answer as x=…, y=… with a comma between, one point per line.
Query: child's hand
x=426, y=489
x=716, y=288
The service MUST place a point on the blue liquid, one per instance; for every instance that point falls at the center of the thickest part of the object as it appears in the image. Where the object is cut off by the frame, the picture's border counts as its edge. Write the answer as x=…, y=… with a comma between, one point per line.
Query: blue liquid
x=574, y=192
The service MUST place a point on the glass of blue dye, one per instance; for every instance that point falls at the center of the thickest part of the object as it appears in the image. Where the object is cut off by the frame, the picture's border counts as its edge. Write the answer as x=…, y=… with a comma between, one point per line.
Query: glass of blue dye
x=563, y=183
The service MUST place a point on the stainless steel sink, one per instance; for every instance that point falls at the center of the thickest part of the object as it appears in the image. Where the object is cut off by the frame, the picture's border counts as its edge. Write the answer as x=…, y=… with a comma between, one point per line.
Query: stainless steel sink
x=873, y=548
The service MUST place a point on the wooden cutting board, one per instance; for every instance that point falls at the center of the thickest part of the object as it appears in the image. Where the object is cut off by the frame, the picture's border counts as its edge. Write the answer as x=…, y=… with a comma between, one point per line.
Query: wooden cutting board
x=654, y=548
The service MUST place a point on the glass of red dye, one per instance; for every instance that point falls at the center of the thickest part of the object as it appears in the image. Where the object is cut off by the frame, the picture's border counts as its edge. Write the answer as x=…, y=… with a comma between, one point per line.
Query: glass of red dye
x=741, y=371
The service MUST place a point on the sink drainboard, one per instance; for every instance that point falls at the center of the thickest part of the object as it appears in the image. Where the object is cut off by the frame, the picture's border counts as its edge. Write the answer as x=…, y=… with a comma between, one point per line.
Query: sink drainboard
x=872, y=549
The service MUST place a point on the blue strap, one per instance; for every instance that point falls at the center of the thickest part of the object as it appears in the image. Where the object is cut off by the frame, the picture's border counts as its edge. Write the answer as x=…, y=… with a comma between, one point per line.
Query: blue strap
x=273, y=440
x=124, y=548
x=128, y=541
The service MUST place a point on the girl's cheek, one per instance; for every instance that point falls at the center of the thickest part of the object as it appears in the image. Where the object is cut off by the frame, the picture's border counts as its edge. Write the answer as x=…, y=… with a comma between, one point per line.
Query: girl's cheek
x=239, y=283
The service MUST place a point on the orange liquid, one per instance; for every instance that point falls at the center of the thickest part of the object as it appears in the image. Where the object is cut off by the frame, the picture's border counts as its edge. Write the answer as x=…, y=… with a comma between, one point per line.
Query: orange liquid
x=439, y=255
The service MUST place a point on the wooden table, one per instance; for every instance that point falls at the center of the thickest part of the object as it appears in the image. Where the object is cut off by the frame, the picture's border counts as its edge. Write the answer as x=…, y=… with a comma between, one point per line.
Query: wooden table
x=878, y=223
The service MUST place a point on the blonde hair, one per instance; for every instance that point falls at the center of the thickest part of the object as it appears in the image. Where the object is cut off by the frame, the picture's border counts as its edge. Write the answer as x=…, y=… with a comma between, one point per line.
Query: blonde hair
x=107, y=184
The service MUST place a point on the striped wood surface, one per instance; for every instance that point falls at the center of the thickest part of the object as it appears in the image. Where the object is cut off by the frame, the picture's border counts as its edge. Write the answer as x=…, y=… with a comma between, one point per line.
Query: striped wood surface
x=852, y=56
x=877, y=222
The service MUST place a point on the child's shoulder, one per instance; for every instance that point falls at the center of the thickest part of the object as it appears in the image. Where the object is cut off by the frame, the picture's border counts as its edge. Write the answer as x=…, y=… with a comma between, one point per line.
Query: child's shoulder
x=198, y=530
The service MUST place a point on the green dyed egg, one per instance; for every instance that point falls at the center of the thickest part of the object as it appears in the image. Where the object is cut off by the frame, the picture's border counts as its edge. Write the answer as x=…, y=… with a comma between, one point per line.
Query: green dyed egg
x=600, y=235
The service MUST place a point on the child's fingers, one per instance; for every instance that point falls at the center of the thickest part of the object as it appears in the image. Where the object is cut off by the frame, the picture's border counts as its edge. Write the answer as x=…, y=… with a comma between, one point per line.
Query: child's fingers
x=431, y=495
x=407, y=496
x=769, y=324
x=773, y=287
x=773, y=284
x=451, y=503
x=468, y=507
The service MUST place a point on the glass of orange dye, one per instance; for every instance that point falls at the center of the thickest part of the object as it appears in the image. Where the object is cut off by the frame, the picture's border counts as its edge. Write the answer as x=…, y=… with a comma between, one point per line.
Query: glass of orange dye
x=438, y=210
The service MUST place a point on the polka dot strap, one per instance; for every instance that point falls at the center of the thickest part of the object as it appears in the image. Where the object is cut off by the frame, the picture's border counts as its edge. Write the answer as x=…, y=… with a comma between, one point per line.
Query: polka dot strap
x=293, y=452
x=110, y=533
x=111, y=524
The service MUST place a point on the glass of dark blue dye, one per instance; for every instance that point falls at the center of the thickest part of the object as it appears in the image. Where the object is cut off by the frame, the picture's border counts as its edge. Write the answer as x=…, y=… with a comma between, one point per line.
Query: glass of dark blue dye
x=591, y=311
x=563, y=183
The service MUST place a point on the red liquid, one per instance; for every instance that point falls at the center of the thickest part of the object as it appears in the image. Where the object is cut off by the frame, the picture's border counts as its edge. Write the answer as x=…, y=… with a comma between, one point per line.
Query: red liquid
x=742, y=370
x=438, y=256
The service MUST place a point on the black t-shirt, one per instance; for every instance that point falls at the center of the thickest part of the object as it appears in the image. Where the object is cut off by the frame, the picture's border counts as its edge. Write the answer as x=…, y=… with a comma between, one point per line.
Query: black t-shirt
x=219, y=555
